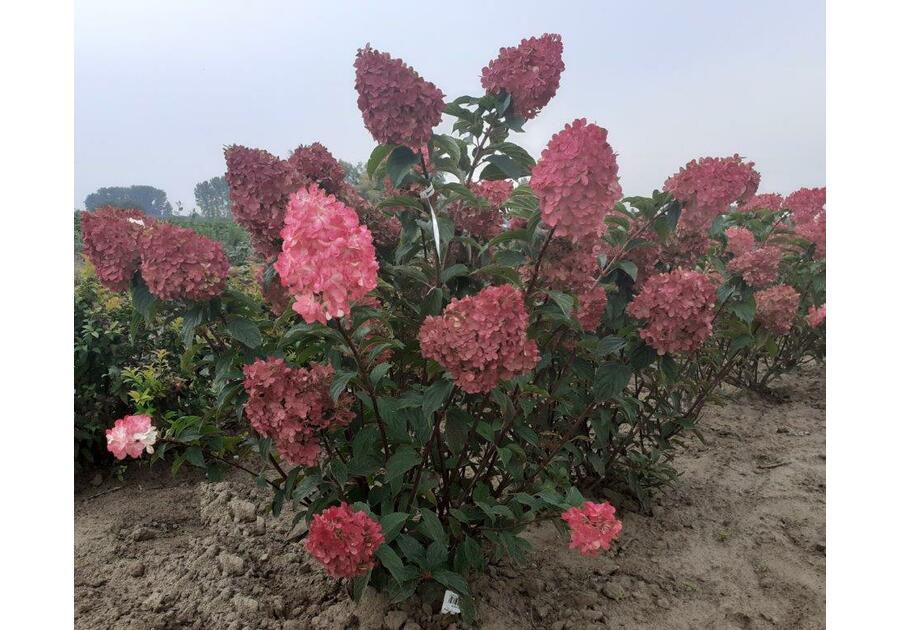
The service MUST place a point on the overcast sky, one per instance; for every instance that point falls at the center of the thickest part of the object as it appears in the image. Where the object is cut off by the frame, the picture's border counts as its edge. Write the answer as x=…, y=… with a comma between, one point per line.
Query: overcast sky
x=162, y=85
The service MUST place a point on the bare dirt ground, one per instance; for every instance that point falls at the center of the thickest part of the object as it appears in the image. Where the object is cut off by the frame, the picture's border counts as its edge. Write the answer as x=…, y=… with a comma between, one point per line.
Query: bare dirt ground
x=739, y=542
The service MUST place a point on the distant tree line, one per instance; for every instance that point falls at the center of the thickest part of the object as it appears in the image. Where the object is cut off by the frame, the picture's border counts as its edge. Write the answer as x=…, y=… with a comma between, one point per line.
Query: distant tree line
x=151, y=200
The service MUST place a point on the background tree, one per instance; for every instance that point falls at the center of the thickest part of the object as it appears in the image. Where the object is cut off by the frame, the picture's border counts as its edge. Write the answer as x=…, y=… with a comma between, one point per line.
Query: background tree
x=213, y=198
x=151, y=200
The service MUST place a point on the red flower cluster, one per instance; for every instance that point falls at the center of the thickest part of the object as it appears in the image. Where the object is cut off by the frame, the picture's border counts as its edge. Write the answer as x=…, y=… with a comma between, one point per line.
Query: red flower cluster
x=529, y=73
x=179, y=264
x=259, y=186
x=344, y=540
x=314, y=164
x=706, y=188
x=740, y=240
x=678, y=308
x=398, y=106
x=327, y=259
x=776, y=308
x=767, y=201
x=806, y=204
x=111, y=237
x=815, y=316
x=292, y=405
x=807, y=207
x=483, y=222
x=685, y=247
x=576, y=180
x=481, y=339
x=592, y=527
x=758, y=267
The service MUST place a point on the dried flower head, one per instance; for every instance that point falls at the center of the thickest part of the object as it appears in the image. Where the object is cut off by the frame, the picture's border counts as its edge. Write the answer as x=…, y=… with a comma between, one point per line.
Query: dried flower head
x=111, y=237
x=179, y=264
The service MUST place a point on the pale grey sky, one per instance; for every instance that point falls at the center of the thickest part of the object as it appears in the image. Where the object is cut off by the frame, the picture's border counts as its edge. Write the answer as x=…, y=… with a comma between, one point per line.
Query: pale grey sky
x=162, y=85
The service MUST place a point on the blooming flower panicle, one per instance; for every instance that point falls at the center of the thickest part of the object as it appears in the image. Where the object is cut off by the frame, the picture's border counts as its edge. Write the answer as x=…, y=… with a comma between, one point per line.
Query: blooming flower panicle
x=815, y=316
x=529, y=73
x=481, y=339
x=776, y=308
x=327, y=259
x=259, y=185
x=806, y=204
x=592, y=527
x=398, y=106
x=686, y=247
x=131, y=436
x=179, y=264
x=576, y=180
x=758, y=267
x=344, y=540
x=814, y=232
x=483, y=222
x=766, y=201
x=293, y=405
x=111, y=237
x=706, y=187
x=678, y=308
x=315, y=164
x=740, y=240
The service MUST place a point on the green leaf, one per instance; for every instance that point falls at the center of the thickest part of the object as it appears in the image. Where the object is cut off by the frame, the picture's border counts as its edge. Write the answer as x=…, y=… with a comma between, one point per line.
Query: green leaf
x=378, y=372
x=628, y=267
x=400, y=162
x=508, y=166
x=456, y=428
x=194, y=455
x=402, y=460
x=434, y=397
x=358, y=585
x=401, y=201
x=454, y=271
x=192, y=318
x=244, y=331
x=609, y=345
x=564, y=301
x=436, y=555
x=610, y=379
x=339, y=383
x=453, y=581
x=393, y=563
x=142, y=300
x=377, y=157
x=745, y=310
x=392, y=524
x=431, y=526
x=500, y=271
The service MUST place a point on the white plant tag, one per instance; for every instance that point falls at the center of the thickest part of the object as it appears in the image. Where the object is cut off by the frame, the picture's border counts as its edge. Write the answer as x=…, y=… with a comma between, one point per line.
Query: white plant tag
x=451, y=603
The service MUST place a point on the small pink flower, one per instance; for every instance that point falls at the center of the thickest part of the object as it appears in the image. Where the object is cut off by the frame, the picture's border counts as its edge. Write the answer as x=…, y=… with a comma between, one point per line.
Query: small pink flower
x=592, y=527
x=131, y=436
x=344, y=540
x=815, y=316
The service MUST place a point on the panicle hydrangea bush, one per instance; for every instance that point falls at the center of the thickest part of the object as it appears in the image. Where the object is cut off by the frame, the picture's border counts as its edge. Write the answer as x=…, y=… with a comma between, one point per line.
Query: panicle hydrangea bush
x=455, y=368
x=592, y=527
x=398, y=106
x=481, y=339
x=709, y=185
x=344, y=540
x=776, y=308
x=678, y=309
x=577, y=180
x=179, y=264
x=327, y=258
x=111, y=237
x=529, y=73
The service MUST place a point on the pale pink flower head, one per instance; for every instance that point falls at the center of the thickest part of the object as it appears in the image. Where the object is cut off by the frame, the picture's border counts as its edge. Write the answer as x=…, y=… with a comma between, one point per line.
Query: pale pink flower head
x=766, y=201
x=111, y=238
x=592, y=527
x=259, y=185
x=398, y=106
x=806, y=204
x=131, y=436
x=179, y=264
x=483, y=222
x=708, y=186
x=293, y=406
x=576, y=180
x=678, y=309
x=529, y=73
x=481, y=339
x=815, y=316
x=740, y=240
x=776, y=308
x=758, y=267
x=327, y=258
x=344, y=540
x=315, y=165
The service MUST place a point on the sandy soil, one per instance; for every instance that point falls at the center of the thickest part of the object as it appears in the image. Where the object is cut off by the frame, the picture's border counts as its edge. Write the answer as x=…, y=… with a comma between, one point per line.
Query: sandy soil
x=739, y=543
